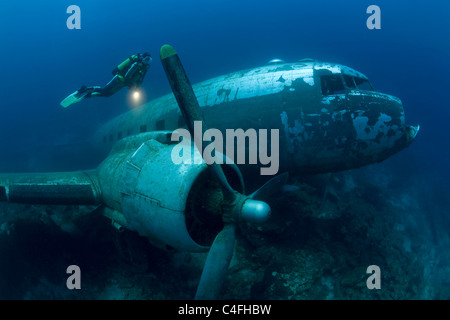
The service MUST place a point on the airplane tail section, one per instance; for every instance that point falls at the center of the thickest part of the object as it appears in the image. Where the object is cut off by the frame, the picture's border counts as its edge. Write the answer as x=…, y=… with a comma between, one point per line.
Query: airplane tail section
x=68, y=188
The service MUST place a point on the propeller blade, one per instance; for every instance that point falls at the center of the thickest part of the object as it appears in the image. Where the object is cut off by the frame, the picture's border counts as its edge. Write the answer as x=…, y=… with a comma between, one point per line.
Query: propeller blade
x=216, y=265
x=236, y=206
x=187, y=101
x=270, y=188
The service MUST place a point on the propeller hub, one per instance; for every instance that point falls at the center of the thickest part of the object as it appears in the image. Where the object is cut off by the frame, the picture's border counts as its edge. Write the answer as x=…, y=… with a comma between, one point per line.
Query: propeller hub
x=255, y=211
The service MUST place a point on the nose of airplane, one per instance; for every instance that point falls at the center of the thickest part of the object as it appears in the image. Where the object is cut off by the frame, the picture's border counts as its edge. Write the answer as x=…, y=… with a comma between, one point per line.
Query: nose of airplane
x=411, y=133
x=379, y=123
x=408, y=132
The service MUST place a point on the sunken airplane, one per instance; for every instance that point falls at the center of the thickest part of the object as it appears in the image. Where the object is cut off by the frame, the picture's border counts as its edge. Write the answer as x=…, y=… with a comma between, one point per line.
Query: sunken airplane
x=329, y=119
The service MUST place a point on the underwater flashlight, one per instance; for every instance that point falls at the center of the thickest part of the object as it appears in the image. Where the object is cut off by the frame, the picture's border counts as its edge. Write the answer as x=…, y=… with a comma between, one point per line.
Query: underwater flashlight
x=136, y=95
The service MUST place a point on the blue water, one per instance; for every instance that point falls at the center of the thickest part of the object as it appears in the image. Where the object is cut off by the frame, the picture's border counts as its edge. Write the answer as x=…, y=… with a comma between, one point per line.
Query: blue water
x=43, y=61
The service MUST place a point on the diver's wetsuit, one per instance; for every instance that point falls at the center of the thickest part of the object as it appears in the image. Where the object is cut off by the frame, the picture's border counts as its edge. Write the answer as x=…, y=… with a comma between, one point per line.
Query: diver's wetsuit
x=129, y=73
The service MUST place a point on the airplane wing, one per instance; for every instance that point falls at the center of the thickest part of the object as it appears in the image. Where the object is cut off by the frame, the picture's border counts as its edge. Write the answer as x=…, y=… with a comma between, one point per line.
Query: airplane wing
x=68, y=188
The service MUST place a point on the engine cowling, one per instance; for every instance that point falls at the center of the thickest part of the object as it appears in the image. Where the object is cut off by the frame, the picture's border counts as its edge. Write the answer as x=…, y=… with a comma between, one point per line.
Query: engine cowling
x=175, y=205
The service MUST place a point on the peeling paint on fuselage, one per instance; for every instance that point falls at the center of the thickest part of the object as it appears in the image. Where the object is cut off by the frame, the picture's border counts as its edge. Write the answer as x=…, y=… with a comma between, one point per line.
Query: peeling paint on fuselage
x=366, y=132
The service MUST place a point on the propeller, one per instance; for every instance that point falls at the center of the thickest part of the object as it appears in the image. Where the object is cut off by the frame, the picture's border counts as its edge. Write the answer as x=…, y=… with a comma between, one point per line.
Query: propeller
x=236, y=206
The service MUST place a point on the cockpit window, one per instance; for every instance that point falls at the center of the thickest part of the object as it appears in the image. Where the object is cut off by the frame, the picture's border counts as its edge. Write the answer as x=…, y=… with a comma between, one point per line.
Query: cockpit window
x=332, y=84
x=363, y=84
x=349, y=81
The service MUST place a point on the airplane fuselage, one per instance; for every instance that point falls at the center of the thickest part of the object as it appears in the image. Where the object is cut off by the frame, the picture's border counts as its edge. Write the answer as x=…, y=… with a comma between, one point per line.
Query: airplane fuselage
x=328, y=115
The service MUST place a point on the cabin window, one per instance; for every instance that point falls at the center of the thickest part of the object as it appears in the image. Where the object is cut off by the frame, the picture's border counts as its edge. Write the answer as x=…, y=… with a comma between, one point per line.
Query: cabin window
x=119, y=135
x=143, y=128
x=349, y=82
x=332, y=84
x=160, y=125
x=3, y=196
x=363, y=84
x=181, y=122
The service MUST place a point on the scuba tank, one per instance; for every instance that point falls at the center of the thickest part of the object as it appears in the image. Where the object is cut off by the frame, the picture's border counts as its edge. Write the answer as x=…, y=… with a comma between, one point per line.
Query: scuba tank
x=124, y=65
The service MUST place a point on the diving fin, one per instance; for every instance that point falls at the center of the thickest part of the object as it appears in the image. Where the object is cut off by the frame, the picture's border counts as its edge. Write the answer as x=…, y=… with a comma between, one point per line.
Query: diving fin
x=77, y=96
x=73, y=98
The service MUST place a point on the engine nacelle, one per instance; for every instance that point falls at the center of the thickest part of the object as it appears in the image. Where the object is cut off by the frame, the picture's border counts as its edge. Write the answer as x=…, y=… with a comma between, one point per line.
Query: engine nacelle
x=171, y=204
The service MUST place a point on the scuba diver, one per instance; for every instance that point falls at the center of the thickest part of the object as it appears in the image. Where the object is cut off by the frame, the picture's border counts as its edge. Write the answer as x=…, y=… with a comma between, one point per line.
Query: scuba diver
x=129, y=73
